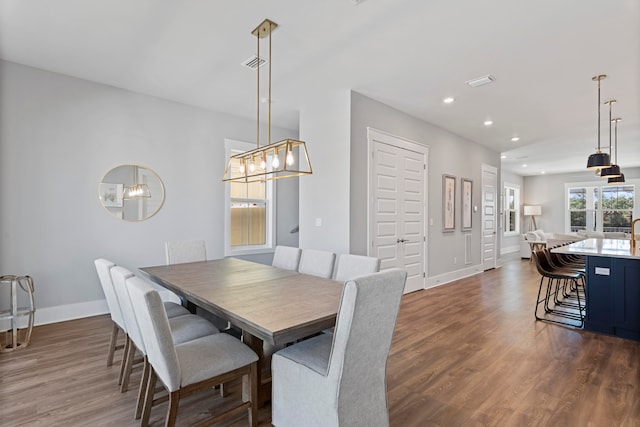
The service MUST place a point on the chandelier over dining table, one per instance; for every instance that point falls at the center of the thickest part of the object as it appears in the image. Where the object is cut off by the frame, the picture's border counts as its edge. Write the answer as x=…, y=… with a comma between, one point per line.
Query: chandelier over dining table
x=282, y=159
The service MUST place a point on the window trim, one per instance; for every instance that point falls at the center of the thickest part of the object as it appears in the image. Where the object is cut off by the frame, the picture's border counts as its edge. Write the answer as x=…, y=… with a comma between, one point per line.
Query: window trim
x=231, y=145
x=599, y=211
x=508, y=186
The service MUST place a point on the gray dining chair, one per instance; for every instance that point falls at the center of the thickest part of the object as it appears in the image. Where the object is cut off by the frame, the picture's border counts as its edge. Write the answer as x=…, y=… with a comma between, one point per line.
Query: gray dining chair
x=181, y=251
x=340, y=379
x=183, y=328
x=193, y=366
x=351, y=266
x=103, y=268
x=286, y=257
x=317, y=263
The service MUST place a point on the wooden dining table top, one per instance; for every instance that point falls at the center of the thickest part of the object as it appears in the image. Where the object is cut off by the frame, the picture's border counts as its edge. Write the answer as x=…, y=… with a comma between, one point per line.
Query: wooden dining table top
x=273, y=304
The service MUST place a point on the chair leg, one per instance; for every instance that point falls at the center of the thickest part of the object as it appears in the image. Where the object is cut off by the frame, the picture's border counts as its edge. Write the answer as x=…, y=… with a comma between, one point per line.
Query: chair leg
x=148, y=398
x=172, y=411
x=127, y=343
x=146, y=371
x=112, y=344
x=129, y=357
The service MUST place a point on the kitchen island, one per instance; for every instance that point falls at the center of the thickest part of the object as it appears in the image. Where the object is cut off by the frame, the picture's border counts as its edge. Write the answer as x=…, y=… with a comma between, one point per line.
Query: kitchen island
x=612, y=285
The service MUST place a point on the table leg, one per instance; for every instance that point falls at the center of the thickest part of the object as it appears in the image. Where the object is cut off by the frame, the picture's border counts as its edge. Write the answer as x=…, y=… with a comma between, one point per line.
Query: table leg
x=14, y=313
x=264, y=383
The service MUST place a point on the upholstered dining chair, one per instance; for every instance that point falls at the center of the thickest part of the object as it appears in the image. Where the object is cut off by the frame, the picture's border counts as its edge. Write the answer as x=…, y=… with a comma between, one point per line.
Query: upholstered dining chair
x=181, y=251
x=350, y=266
x=103, y=268
x=317, y=263
x=183, y=328
x=286, y=257
x=340, y=379
x=193, y=366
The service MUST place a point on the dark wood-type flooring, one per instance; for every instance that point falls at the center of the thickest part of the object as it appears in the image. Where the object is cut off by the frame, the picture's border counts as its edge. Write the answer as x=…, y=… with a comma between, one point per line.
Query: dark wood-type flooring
x=468, y=353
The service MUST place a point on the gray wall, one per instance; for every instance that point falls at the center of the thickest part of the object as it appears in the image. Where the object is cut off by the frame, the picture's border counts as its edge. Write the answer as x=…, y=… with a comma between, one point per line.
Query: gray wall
x=59, y=135
x=448, y=154
x=548, y=190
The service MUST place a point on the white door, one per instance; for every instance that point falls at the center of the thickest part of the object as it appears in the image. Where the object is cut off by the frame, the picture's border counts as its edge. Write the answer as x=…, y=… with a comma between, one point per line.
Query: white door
x=397, y=184
x=489, y=216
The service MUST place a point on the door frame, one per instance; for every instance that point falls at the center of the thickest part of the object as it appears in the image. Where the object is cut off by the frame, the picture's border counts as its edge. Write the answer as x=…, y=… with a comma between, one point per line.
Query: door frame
x=497, y=205
x=405, y=144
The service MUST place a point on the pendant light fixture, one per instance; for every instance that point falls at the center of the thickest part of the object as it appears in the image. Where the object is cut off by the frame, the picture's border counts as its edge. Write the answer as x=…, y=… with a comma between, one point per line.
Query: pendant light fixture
x=599, y=159
x=612, y=171
x=620, y=178
x=136, y=191
x=282, y=159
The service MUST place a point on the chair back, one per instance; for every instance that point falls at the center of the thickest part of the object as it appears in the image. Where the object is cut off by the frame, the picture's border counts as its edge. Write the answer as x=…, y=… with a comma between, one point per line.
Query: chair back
x=156, y=332
x=362, y=339
x=317, y=263
x=103, y=267
x=182, y=251
x=286, y=257
x=120, y=276
x=351, y=266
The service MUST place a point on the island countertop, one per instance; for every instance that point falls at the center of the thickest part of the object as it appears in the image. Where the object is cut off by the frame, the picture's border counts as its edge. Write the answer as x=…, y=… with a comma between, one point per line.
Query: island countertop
x=615, y=248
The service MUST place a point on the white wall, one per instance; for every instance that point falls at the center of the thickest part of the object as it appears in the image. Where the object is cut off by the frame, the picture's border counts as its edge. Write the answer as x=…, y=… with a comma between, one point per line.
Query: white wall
x=324, y=195
x=59, y=135
x=448, y=154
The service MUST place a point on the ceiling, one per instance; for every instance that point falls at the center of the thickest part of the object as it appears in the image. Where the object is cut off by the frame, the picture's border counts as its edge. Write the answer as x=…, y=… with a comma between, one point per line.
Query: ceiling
x=409, y=54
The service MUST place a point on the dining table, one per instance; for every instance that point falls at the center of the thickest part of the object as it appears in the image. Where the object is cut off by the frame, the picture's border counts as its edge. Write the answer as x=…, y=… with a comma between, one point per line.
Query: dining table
x=270, y=305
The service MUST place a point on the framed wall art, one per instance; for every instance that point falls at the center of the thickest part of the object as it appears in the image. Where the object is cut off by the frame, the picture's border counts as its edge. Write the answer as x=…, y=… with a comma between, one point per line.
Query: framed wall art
x=448, y=202
x=467, y=195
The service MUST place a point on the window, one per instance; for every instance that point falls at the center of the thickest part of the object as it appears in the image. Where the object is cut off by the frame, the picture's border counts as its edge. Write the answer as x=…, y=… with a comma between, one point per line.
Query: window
x=249, y=211
x=601, y=208
x=511, y=209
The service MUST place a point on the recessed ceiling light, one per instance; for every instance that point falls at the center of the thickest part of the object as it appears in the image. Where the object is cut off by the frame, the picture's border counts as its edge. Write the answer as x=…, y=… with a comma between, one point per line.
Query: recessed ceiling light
x=448, y=100
x=515, y=139
x=542, y=172
x=488, y=122
x=524, y=165
x=504, y=156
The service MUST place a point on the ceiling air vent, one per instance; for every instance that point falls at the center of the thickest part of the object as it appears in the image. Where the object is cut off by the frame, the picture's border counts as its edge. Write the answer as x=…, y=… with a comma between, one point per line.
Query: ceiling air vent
x=254, y=62
x=484, y=80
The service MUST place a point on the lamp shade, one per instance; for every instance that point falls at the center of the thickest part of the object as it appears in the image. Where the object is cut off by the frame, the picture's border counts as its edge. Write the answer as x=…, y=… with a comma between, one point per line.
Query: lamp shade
x=616, y=180
x=532, y=210
x=599, y=160
x=610, y=172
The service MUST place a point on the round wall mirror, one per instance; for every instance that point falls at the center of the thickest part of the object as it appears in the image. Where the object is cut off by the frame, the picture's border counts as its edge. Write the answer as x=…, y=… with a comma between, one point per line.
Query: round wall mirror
x=131, y=192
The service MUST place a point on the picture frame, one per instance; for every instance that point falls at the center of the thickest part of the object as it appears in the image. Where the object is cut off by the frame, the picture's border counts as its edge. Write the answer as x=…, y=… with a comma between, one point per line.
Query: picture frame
x=466, y=186
x=448, y=203
x=111, y=194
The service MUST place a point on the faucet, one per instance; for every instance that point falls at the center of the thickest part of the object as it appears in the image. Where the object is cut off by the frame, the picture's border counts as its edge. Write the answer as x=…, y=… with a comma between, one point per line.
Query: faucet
x=633, y=234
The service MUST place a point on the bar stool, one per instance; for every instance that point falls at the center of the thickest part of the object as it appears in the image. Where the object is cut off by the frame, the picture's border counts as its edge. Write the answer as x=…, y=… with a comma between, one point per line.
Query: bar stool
x=17, y=337
x=563, y=299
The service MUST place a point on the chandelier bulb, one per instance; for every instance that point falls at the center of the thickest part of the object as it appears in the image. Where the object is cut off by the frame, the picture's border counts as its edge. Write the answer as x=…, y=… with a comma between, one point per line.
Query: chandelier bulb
x=263, y=162
x=275, y=163
x=252, y=166
x=289, y=158
x=242, y=168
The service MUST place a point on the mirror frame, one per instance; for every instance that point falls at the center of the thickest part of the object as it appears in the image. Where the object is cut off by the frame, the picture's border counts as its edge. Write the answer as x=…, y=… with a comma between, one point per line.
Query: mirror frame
x=118, y=189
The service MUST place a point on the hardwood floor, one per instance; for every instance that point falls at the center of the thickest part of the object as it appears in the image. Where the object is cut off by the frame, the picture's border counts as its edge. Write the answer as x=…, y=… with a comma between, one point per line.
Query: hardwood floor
x=465, y=353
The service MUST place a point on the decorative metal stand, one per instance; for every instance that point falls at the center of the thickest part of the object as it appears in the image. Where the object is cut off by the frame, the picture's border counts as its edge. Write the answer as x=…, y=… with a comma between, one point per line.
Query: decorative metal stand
x=17, y=337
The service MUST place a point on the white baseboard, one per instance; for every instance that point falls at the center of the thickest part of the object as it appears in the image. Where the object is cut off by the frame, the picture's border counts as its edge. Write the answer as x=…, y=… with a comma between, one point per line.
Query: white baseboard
x=62, y=313
x=452, y=276
x=509, y=250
